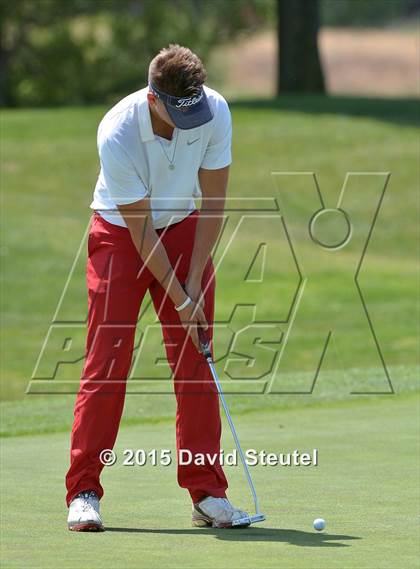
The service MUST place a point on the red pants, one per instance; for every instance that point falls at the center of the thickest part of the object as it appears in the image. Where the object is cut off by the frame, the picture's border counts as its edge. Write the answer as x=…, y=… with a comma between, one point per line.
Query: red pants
x=117, y=281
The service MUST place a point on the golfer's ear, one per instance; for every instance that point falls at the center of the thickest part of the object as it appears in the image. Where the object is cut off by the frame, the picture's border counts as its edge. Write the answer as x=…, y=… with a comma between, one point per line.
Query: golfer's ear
x=151, y=99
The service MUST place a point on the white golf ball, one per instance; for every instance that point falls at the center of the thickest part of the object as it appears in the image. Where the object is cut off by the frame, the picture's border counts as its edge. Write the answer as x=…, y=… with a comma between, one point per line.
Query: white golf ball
x=319, y=524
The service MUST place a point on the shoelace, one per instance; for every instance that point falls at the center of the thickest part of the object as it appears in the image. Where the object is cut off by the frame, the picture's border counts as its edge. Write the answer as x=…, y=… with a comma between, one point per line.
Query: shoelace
x=228, y=504
x=86, y=498
x=232, y=509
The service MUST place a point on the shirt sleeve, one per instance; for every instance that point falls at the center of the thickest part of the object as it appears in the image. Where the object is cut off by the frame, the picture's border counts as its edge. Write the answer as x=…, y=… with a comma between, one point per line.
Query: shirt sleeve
x=119, y=174
x=218, y=152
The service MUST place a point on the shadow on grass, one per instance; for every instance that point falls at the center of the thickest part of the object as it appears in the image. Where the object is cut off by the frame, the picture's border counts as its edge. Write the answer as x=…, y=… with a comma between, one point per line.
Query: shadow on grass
x=294, y=537
x=399, y=111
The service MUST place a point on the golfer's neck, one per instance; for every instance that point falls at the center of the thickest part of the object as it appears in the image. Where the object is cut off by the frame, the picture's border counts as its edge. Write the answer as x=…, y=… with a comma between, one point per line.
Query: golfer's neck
x=159, y=126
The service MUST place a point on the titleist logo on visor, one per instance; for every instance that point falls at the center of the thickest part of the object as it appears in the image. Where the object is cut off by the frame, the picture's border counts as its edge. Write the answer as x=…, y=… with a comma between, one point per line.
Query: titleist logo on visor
x=188, y=102
x=177, y=102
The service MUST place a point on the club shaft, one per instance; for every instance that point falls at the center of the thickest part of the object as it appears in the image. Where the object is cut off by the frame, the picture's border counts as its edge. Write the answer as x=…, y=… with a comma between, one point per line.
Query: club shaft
x=235, y=436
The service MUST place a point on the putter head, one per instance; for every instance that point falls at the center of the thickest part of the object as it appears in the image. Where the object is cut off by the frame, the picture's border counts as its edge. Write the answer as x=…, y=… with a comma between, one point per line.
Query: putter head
x=248, y=520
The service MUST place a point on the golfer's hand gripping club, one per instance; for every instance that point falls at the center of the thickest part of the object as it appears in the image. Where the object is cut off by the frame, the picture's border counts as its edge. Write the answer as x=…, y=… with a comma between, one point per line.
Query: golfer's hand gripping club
x=192, y=319
x=204, y=343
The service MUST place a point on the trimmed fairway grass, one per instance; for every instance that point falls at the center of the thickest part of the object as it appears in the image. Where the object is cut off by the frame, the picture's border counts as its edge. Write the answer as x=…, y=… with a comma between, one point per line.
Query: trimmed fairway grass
x=365, y=486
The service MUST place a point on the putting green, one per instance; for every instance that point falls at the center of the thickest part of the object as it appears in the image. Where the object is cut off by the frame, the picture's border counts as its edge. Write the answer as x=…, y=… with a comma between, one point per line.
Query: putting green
x=365, y=486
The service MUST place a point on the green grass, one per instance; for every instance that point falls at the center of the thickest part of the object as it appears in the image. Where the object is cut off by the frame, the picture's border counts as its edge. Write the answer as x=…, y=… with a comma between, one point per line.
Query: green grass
x=38, y=414
x=365, y=486
x=49, y=166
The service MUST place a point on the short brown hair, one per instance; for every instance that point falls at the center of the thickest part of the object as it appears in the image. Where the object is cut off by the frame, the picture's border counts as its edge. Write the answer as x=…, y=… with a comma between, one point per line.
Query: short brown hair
x=177, y=71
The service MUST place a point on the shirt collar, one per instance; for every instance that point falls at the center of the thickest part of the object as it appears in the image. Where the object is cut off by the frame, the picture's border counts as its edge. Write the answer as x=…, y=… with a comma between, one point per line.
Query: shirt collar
x=145, y=123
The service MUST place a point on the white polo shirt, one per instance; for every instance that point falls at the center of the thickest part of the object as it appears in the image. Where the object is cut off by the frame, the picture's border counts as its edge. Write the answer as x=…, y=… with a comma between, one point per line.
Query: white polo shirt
x=136, y=163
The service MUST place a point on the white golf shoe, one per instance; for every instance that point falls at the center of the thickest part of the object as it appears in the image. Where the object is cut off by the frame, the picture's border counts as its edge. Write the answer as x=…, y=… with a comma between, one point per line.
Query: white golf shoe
x=217, y=513
x=84, y=513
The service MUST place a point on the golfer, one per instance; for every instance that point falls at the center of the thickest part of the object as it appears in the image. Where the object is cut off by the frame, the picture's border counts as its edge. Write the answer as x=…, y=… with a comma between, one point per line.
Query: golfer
x=159, y=148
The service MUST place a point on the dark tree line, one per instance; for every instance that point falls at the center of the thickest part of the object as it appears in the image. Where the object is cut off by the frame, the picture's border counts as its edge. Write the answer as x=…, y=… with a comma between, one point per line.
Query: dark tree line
x=56, y=52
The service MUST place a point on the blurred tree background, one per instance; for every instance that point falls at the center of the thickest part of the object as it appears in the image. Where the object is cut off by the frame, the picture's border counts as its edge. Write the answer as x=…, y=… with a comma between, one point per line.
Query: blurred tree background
x=57, y=52
x=71, y=52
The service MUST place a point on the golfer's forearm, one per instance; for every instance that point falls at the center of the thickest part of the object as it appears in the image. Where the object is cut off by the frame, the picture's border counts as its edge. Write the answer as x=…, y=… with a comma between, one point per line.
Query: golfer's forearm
x=213, y=186
x=206, y=234
x=154, y=256
x=150, y=248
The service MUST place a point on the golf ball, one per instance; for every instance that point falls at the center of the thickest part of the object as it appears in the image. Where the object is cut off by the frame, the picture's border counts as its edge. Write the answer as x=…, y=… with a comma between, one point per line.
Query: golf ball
x=319, y=524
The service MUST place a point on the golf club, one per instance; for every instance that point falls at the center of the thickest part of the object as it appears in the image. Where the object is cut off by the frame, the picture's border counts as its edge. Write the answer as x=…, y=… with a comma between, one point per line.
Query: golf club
x=205, y=349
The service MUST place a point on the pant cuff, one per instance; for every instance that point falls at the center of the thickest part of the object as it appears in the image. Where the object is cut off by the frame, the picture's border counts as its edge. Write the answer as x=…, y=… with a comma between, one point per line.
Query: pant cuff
x=198, y=495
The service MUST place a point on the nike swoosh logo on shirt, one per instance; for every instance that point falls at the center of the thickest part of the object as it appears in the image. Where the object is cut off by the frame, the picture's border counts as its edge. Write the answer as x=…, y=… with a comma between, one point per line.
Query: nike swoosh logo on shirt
x=189, y=142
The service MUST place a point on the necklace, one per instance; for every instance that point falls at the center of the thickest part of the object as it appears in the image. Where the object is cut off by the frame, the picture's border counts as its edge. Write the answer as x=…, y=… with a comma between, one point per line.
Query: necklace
x=171, y=164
